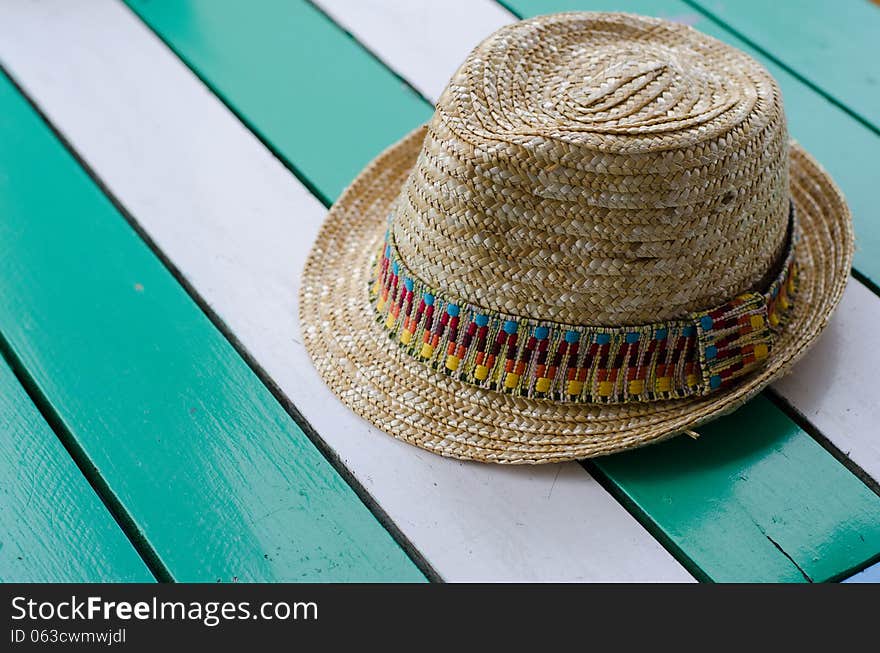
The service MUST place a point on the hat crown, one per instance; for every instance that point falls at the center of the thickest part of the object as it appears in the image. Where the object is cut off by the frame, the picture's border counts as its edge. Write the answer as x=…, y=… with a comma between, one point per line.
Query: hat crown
x=600, y=169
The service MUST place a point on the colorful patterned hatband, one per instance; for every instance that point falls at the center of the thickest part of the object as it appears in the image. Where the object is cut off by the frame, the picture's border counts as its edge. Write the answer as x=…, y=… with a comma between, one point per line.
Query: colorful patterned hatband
x=689, y=357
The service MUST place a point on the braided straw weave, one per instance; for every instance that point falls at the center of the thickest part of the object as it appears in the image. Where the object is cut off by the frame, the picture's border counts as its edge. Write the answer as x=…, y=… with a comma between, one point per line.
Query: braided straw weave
x=588, y=169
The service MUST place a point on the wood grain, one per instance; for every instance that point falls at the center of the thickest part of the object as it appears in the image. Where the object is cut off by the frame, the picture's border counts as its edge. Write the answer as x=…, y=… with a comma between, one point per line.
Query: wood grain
x=53, y=527
x=212, y=472
x=238, y=225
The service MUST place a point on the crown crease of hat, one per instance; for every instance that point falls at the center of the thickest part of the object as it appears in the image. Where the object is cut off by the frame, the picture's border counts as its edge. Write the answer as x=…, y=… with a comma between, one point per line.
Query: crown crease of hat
x=599, y=169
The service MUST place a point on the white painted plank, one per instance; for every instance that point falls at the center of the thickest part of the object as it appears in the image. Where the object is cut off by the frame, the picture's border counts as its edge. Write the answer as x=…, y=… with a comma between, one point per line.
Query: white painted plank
x=425, y=42
x=833, y=385
x=238, y=225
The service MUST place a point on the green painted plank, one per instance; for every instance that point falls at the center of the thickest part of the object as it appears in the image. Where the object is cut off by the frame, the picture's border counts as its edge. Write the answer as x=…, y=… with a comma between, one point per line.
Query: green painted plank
x=267, y=76
x=833, y=45
x=213, y=473
x=751, y=487
x=759, y=443
x=844, y=146
x=53, y=527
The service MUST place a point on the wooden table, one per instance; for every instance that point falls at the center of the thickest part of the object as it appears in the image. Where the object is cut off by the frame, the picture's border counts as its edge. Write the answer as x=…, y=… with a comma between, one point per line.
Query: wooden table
x=164, y=168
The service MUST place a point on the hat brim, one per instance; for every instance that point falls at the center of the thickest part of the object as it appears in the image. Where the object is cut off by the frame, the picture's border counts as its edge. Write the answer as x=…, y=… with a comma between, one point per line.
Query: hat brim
x=408, y=400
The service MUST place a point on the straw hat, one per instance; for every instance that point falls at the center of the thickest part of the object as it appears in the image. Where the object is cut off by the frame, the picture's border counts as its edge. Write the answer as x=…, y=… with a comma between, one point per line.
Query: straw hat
x=602, y=239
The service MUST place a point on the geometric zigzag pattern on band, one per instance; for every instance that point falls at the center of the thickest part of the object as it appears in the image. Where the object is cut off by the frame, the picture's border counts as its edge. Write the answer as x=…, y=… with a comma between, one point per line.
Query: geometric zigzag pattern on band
x=585, y=364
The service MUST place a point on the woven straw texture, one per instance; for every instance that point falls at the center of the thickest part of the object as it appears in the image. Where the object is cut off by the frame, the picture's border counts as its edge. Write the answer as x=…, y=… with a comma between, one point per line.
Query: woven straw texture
x=596, y=169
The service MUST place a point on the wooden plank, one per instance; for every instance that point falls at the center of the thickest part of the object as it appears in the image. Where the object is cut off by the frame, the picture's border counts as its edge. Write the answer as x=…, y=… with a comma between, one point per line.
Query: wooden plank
x=831, y=387
x=213, y=473
x=189, y=172
x=833, y=45
x=53, y=527
x=869, y=575
x=847, y=524
x=841, y=143
x=420, y=50
x=753, y=500
x=298, y=131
